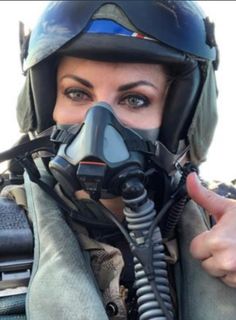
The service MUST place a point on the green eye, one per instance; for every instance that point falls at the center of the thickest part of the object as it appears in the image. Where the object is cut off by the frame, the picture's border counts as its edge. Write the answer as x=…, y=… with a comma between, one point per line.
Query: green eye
x=76, y=94
x=135, y=101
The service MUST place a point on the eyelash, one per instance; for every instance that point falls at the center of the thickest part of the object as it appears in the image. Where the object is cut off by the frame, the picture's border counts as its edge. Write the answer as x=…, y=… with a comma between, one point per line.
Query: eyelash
x=71, y=93
x=145, y=100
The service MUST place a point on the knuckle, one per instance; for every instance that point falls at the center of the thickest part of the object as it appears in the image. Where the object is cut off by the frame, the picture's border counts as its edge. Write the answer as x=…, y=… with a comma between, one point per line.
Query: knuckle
x=197, y=247
x=215, y=242
x=228, y=264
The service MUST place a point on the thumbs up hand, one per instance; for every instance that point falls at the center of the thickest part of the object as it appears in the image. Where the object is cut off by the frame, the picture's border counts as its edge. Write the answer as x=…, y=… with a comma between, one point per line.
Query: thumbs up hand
x=216, y=248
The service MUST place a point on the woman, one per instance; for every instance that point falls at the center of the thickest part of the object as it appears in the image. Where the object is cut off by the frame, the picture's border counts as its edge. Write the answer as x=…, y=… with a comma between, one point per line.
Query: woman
x=132, y=93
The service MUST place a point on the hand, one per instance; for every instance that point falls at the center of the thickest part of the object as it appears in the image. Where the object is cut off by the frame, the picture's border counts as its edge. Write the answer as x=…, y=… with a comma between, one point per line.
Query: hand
x=216, y=248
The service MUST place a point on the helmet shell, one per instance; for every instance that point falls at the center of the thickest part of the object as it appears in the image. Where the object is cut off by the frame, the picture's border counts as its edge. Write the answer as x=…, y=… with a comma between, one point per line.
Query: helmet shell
x=178, y=24
x=173, y=32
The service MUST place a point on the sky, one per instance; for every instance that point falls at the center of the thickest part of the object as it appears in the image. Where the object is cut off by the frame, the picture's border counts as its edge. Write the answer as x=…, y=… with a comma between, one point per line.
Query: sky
x=221, y=163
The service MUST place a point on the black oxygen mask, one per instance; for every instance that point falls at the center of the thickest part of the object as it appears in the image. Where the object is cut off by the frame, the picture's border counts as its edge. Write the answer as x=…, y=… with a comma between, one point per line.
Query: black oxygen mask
x=97, y=155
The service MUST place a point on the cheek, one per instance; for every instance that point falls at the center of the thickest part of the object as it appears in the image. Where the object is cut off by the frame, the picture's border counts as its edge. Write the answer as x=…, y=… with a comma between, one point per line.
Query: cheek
x=145, y=118
x=153, y=117
x=66, y=113
x=61, y=113
x=148, y=118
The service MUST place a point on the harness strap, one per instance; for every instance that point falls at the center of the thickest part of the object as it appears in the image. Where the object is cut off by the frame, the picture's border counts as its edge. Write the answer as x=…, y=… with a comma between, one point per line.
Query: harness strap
x=61, y=278
x=133, y=142
x=38, y=144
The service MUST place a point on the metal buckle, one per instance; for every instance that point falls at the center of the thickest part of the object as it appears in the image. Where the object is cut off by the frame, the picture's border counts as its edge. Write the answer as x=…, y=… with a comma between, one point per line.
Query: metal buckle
x=15, y=274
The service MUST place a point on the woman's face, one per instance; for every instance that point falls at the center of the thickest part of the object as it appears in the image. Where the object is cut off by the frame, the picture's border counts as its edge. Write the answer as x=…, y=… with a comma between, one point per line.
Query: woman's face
x=135, y=91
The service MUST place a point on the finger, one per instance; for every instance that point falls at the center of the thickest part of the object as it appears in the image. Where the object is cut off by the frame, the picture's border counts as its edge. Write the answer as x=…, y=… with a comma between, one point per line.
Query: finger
x=209, y=200
x=212, y=268
x=230, y=279
x=199, y=247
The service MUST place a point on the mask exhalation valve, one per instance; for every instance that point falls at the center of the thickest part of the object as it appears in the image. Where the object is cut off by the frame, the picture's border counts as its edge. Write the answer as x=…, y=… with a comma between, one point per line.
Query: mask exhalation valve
x=90, y=175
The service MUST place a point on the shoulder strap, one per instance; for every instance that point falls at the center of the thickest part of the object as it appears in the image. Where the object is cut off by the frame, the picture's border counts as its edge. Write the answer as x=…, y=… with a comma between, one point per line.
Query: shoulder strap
x=60, y=270
x=16, y=247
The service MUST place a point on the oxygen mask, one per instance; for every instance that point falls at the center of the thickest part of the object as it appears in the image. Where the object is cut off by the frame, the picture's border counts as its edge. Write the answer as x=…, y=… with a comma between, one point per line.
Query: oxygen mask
x=97, y=155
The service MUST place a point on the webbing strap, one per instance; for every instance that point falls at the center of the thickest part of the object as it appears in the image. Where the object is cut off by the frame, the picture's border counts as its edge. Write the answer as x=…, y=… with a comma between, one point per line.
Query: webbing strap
x=38, y=144
x=132, y=140
x=60, y=270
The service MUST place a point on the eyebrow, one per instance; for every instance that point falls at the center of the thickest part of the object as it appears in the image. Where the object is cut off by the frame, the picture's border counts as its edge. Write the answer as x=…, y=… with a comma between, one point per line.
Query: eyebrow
x=132, y=85
x=124, y=87
x=78, y=79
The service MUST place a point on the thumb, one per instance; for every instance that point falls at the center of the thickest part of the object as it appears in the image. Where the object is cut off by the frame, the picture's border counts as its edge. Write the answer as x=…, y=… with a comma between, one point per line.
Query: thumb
x=209, y=200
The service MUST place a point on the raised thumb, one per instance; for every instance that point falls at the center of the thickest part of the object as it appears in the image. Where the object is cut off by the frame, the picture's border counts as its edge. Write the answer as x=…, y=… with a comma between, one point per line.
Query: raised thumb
x=213, y=203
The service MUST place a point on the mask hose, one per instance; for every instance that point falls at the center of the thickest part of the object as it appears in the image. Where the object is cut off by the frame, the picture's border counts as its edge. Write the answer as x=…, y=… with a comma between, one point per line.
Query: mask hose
x=153, y=293
x=176, y=210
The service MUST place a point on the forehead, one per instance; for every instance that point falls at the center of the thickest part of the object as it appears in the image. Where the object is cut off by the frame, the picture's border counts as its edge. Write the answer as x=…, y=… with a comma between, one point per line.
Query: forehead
x=75, y=65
